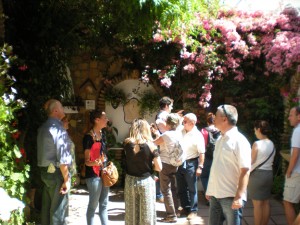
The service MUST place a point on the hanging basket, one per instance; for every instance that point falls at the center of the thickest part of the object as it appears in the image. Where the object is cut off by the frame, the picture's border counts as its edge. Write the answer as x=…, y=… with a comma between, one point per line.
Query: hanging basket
x=115, y=103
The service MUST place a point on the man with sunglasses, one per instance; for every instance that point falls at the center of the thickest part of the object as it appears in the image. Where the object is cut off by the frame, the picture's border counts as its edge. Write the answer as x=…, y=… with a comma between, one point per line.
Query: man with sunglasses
x=186, y=176
x=230, y=170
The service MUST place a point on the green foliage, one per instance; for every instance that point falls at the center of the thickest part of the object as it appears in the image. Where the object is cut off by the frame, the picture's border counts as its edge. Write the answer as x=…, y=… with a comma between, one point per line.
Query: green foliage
x=114, y=95
x=278, y=186
x=13, y=167
x=134, y=21
x=111, y=132
x=45, y=34
x=148, y=103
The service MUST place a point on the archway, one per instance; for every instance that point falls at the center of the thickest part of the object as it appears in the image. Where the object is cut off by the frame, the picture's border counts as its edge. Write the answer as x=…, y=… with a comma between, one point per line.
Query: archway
x=122, y=115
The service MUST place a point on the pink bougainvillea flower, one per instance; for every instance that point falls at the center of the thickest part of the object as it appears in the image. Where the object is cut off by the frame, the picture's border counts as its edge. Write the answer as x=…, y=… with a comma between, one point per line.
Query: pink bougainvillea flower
x=166, y=82
x=190, y=68
x=158, y=37
x=145, y=79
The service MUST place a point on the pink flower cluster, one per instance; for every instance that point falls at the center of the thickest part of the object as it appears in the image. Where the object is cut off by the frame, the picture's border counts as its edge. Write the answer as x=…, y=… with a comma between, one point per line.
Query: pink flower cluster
x=284, y=52
x=166, y=82
x=224, y=44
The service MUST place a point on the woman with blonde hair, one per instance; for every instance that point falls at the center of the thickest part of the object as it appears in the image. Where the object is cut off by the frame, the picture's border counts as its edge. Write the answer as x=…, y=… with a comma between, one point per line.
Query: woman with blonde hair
x=141, y=157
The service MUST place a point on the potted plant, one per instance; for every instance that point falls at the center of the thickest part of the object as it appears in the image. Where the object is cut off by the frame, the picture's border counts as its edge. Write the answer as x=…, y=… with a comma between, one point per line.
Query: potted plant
x=115, y=97
x=148, y=103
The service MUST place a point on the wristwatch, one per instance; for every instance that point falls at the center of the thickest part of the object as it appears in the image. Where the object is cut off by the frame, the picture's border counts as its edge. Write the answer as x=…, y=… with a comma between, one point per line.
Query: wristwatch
x=200, y=167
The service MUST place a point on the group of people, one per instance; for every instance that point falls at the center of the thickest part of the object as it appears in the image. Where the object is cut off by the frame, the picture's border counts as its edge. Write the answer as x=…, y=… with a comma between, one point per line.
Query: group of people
x=55, y=154
x=227, y=170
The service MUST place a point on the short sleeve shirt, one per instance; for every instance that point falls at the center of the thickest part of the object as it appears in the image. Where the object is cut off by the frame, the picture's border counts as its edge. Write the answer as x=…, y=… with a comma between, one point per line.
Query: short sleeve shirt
x=87, y=143
x=138, y=164
x=53, y=144
x=232, y=152
x=161, y=118
x=295, y=143
x=193, y=143
x=170, y=139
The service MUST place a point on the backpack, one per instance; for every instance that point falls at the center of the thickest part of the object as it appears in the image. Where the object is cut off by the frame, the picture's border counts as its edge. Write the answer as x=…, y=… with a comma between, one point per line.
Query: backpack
x=177, y=155
x=210, y=137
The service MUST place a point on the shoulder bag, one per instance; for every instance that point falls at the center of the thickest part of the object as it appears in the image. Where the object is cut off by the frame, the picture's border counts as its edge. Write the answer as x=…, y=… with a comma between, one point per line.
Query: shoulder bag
x=263, y=161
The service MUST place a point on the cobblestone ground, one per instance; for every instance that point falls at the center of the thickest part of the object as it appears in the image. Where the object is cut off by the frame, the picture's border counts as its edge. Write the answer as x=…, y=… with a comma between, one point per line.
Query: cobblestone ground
x=116, y=211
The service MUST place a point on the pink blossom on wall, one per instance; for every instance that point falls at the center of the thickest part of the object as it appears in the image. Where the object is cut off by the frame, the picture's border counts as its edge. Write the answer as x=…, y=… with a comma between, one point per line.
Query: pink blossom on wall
x=190, y=68
x=166, y=82
x=226, y=43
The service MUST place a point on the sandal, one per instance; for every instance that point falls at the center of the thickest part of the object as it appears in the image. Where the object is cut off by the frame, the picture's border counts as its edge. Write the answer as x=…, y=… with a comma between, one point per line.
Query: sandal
x=168, y=220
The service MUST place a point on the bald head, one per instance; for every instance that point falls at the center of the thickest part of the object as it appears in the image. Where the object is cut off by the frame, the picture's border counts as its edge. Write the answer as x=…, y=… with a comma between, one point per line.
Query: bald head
x=54, y=109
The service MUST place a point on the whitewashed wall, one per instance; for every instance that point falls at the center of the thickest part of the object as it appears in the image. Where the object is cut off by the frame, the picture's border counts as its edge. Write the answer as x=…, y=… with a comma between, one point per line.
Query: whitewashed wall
x=117, y=115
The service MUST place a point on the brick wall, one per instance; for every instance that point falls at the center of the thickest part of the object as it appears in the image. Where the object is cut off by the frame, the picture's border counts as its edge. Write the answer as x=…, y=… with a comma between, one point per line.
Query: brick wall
x=88, y=77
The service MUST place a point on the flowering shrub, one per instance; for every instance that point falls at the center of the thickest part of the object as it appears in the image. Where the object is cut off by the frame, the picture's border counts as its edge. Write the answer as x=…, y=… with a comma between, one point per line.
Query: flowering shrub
x=215, y=48
x=13, y=168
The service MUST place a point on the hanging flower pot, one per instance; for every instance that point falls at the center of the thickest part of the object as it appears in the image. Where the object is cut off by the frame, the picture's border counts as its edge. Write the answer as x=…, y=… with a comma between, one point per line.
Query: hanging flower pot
x=115, y=103
x=115, y=97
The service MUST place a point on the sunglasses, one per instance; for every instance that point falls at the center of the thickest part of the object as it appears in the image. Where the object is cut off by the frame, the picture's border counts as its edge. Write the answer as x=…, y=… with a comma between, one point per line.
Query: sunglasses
x=185, y=122
x=224, y=110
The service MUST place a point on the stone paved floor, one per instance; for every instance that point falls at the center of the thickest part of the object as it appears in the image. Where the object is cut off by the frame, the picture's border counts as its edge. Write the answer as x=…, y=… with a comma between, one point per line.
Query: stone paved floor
x=116, y=211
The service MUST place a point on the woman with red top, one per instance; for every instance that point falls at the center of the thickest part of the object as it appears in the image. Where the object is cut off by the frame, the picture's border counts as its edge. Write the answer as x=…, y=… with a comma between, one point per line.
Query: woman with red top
x=95, y=154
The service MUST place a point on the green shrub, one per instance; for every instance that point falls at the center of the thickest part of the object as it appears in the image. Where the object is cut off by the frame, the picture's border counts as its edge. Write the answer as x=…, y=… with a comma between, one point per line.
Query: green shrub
x=13, y=167
x=278, y=185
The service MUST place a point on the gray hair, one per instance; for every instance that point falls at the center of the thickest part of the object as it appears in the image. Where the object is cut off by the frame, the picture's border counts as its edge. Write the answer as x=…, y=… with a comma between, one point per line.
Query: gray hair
x=191, y=117
x=173, y=120
x=50, y=105
x=230, y=112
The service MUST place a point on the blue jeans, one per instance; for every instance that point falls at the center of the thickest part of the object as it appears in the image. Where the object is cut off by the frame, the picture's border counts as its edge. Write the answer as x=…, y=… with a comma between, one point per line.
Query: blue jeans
x=54, y=205
x=220, y=210
x=158, y=191
x=97, y=194
x=187, y=185
x=205, y=173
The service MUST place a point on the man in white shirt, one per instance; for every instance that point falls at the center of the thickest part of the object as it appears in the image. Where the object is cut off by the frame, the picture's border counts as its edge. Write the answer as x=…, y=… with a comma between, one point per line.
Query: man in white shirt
x=291, y=194
x=165, y=106
x=186, y=177
x=229, y=174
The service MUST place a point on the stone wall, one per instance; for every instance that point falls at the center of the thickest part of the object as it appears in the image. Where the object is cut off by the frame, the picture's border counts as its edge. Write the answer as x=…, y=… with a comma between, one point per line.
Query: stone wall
x=90, y=79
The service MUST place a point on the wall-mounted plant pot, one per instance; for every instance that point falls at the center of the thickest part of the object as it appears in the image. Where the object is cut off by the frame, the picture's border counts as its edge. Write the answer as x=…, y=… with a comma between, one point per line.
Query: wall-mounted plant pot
x=115, y=104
